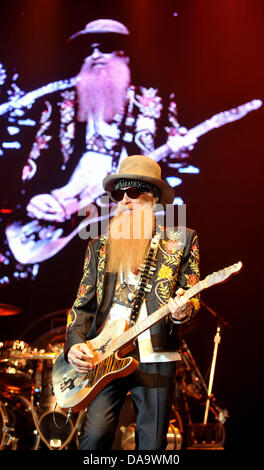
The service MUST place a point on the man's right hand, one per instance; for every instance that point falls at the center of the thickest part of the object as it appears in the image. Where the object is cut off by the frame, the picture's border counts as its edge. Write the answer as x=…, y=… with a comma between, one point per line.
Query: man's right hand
x=81, y=356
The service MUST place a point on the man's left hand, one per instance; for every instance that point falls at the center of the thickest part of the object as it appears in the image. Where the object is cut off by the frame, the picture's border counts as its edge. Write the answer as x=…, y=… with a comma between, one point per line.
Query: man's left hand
x=179, y=308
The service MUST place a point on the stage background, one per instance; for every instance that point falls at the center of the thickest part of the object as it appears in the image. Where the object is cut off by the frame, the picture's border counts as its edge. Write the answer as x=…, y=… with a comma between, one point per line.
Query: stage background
x=211, y=55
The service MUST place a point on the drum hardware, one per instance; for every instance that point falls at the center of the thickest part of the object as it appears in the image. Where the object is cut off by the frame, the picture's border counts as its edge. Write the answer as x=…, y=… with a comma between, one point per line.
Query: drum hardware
x=18, y=362
x=192, y=385
x=174, y=437
x=56, y=428
x=50, y=423
x=19, y=350
x=16, y=373
x=59, y=436
x=205, y=436
x=125, y=431
x=220, y=324
x=18, y=433
x=27, y=370
x=31, y=356
x=17, y=377
x=16, y=426
x=202, y=434
x=6, y=438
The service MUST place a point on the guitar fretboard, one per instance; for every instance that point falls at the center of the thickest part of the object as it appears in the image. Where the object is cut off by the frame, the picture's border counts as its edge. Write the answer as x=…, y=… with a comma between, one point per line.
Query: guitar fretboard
x=214, y=122
x=132, y=333
x=128, y=336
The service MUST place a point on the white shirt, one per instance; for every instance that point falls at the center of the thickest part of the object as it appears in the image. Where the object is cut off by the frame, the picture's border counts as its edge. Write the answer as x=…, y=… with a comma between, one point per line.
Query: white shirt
x=146, y=352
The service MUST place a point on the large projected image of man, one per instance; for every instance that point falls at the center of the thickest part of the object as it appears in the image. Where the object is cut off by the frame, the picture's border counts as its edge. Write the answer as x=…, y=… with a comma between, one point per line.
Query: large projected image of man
x=87, y=126
x=98, y=104
x=83, y=134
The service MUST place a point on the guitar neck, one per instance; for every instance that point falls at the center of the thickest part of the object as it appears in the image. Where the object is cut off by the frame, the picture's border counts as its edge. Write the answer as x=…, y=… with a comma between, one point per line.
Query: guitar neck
x=128, y=336
x=160, y=153
x=164, y=150
x=132, y=333
x=218, y=120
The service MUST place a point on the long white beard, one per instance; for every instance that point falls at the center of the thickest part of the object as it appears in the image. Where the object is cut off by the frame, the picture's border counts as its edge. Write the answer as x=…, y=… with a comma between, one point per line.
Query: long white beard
x=102, y=91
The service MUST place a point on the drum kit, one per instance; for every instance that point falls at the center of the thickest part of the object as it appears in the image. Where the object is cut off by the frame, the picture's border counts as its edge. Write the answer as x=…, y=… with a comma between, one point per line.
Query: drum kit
x=30, y=418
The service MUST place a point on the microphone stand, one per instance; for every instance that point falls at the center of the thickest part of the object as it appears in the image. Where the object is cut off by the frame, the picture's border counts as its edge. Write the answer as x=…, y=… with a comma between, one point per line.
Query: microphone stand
x=217, y=339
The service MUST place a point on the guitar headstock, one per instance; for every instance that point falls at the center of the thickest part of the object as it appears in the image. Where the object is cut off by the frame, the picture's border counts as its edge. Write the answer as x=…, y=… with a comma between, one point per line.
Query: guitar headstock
x=235, y=113
x=223, y=274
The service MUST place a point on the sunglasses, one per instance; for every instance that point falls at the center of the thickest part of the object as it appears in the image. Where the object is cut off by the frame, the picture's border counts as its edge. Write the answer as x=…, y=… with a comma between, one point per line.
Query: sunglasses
x=132, y=193
x=105, y=47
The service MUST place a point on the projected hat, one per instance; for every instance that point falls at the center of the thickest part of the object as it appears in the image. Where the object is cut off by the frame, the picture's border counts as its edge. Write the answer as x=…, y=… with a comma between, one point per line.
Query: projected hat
x=102, y=26
x=140, y=168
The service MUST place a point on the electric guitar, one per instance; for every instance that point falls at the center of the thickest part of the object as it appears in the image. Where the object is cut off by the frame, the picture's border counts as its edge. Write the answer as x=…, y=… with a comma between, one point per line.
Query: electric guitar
x=37, y=240
x=75, y=391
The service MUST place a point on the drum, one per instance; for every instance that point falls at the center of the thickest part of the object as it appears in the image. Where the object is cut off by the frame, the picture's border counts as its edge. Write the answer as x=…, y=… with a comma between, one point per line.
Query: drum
x=16, y=372
x=56, y=431
x=125, y=433
x=17, y=430
x=4, y=432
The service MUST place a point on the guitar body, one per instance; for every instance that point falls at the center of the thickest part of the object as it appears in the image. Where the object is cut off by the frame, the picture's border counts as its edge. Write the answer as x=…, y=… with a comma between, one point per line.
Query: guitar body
x=74, y=390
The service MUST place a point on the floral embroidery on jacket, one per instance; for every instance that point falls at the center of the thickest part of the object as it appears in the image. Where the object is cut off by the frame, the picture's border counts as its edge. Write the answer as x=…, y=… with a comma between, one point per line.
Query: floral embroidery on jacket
x=71, y=318
x=167, y=276
x=191, y=279
x=193, y=275
x=165, y=272
x=195, y=257
x=84, y=286
x=67, y=125
x=168, y=273
x=100, y=269
x=41, y=142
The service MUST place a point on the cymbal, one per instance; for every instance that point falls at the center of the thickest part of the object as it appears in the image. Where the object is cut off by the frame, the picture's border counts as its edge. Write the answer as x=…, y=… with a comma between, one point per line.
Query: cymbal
x=7, y=310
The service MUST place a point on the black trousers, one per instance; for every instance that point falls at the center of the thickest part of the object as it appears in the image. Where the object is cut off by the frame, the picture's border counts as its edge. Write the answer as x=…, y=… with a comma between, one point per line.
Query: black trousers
x=152, y=389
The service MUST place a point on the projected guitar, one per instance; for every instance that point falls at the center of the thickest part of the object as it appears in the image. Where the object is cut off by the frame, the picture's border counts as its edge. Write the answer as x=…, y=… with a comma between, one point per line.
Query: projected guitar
x=75, y=390
x=39, y=240
x=218, y=120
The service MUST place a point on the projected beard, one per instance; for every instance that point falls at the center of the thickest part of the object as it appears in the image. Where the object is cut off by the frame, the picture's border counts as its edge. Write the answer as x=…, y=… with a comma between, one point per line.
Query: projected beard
x=101, y=90
x=130, y=233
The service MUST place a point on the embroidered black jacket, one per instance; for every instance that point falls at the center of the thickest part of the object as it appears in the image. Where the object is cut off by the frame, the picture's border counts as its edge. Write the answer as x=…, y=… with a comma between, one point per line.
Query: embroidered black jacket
x=177, y=266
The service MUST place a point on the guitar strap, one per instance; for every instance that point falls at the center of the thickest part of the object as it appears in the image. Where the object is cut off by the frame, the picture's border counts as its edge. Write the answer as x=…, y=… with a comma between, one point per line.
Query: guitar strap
x=146, y=269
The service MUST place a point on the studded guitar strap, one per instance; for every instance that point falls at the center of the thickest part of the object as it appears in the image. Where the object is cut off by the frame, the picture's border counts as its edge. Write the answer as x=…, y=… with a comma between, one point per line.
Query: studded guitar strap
x=146, y=269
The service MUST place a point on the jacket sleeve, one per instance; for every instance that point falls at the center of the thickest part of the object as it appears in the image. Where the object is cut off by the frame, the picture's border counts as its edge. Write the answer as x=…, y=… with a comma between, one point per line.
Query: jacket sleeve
x=82, y=313
x=189, y=272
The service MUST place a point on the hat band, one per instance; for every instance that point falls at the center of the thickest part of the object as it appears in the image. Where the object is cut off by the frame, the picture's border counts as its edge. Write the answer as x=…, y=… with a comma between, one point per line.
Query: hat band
x=144, y=185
